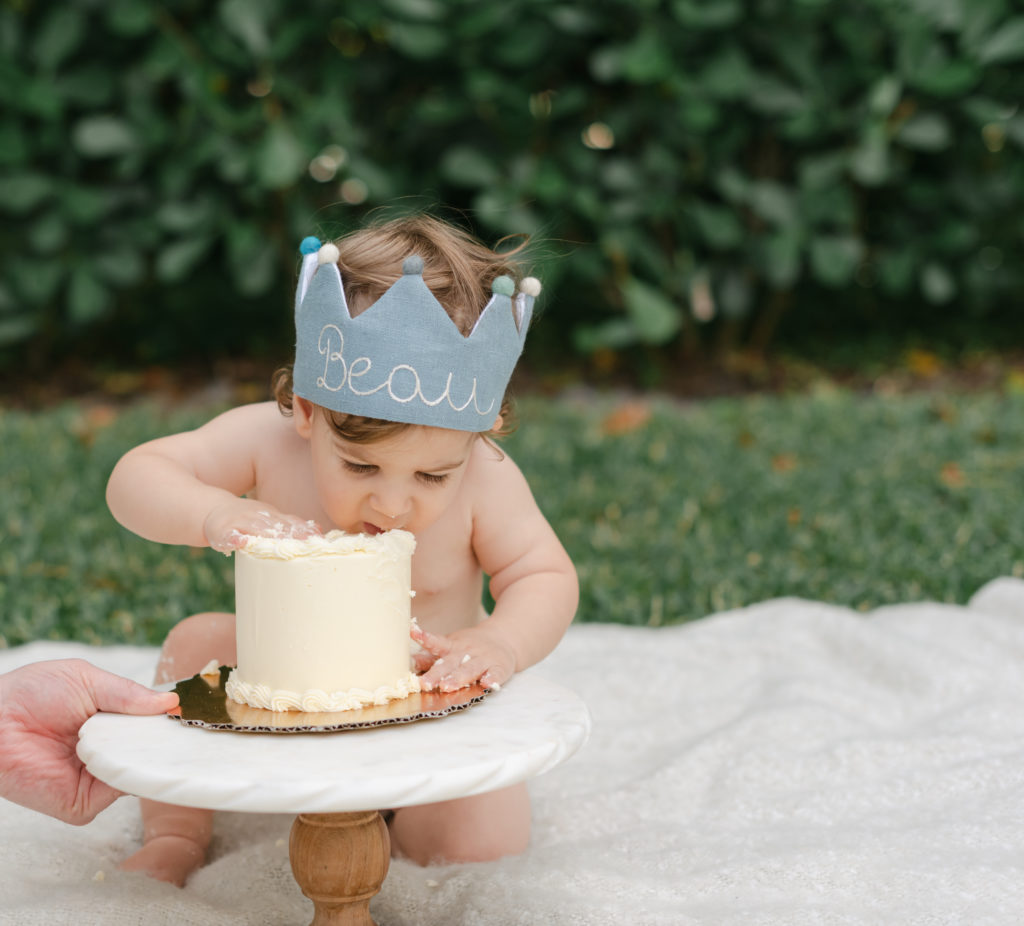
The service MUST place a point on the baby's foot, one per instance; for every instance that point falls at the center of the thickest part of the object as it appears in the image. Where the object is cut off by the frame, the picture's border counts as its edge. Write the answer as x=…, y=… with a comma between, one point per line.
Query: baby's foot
x=167, y=858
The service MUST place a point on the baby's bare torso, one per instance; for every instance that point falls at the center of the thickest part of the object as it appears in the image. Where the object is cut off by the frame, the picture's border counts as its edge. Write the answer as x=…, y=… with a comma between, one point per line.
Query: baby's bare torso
x=446, y=575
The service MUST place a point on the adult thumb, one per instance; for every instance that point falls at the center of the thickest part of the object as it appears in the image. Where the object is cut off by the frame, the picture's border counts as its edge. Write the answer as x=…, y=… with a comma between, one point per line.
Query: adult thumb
x=123, y=696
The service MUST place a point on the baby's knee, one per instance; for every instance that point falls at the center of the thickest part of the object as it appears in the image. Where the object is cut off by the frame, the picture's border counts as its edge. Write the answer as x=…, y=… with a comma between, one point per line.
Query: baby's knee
x=193, y=642
x=476, y=829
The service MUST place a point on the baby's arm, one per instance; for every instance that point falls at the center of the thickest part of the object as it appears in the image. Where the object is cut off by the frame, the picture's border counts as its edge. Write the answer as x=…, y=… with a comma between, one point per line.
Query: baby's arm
x=532, y=580
x=185, y=488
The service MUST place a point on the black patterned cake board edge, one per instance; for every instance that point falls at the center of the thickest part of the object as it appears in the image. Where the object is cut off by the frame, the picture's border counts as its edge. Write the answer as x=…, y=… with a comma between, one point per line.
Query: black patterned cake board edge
x=203, y=702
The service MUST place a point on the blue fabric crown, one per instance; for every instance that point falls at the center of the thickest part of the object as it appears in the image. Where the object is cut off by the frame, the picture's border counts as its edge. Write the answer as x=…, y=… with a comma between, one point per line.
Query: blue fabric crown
x=404, y=359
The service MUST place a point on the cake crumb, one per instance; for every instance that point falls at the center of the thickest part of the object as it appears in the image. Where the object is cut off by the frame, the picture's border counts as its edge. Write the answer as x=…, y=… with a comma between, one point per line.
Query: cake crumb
x=465, y=659
x=211, y=668
x=431, y=882
x=100, y=875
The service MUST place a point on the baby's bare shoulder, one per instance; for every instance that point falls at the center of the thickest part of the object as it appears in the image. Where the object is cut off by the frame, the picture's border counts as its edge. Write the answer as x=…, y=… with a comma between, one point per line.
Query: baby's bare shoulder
x=240, y=437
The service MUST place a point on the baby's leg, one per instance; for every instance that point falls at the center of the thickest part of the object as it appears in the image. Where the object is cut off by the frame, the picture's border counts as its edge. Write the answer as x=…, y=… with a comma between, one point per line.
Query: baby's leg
x=175, y=838
x=469, y=829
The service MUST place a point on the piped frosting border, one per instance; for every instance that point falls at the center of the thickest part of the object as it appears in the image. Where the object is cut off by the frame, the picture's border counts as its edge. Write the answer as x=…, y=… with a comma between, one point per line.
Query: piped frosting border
x=315, y=700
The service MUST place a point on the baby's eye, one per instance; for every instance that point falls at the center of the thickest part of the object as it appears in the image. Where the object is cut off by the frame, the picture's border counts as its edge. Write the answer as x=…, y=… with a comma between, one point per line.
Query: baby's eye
x=434, y=479
x=362, y=468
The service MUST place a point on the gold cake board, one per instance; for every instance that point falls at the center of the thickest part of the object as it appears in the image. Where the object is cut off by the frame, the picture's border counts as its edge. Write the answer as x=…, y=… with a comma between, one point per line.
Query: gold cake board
x=204, y=703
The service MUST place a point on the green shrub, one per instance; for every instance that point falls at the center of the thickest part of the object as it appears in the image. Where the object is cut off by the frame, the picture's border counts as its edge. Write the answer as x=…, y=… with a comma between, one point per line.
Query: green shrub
x=681, y=159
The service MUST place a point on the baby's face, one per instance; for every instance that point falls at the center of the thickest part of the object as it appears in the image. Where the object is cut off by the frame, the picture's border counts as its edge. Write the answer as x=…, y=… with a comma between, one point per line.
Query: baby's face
x=406, y=481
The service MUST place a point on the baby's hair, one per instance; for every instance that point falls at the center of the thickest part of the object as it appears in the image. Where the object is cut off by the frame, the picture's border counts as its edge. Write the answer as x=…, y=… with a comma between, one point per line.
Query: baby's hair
x=458, y=270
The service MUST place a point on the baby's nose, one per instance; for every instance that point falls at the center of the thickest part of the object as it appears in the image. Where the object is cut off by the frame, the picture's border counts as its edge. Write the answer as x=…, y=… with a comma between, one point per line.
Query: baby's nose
x=391, y=505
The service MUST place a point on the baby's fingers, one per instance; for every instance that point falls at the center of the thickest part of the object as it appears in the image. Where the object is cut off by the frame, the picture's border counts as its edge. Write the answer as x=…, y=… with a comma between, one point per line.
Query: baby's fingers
x=433, y=643
x=452, y=672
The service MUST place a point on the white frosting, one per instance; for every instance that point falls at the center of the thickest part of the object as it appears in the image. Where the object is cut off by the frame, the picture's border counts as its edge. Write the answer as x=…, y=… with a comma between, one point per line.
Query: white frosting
x=315, y=700
x=323, y=624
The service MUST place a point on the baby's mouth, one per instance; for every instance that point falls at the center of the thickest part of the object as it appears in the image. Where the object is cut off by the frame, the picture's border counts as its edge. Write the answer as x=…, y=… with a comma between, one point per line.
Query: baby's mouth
x=372, y=529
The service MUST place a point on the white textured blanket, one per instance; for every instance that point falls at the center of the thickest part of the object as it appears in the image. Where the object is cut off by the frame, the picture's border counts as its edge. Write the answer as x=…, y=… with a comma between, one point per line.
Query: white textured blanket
x=787, y=763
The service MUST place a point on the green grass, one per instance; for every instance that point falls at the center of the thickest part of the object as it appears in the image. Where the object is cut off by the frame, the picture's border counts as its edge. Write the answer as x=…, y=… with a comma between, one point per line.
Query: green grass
x=857, y=500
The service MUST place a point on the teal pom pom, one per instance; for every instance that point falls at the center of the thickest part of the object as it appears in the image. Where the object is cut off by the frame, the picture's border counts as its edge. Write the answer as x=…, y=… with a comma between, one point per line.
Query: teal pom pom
x=412, y=266
x=310, y=245
x=503, y=286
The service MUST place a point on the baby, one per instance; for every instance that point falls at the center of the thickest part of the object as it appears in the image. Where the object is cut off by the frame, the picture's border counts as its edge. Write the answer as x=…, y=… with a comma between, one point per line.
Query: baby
x=385, y=421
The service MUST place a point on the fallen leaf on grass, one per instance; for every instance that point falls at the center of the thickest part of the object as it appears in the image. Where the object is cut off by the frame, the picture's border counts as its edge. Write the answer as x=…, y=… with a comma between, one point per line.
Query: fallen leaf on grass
x=952, y=476
x=627, y=418
x=923, y=363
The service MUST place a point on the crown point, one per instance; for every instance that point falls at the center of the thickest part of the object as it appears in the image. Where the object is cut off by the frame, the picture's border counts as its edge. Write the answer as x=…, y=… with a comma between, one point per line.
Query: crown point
x=503, y=286
x=328, y=254
x=530, y=286
x=412, y=266
x=309, y=245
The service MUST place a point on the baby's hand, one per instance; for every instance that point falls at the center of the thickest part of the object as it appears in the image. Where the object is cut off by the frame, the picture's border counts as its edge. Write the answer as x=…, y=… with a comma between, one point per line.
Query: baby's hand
x=227, y=526
x=459, y=659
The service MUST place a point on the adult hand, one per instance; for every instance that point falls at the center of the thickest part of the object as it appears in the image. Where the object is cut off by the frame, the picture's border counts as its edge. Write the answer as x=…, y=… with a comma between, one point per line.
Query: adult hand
x=228, y=526
x=42, y=707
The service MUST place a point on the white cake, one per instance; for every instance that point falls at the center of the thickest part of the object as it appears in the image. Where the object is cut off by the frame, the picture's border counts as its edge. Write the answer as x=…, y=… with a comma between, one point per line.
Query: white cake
x=323, y=624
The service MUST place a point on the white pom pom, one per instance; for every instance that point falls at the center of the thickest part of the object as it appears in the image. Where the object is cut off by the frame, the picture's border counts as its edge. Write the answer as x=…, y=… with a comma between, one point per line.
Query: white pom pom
x=328, y=254
x=530, y=286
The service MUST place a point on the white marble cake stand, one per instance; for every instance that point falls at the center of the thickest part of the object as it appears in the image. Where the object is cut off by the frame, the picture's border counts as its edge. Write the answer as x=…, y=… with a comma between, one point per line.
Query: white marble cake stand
x=336, y=782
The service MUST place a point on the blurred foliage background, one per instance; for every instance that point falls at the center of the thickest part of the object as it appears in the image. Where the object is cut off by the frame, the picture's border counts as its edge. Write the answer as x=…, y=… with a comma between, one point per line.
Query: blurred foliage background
x=697, y=175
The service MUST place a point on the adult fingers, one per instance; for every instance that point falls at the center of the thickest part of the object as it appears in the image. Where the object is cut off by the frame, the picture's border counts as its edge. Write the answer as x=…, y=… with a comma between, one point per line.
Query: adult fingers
x=123, y=696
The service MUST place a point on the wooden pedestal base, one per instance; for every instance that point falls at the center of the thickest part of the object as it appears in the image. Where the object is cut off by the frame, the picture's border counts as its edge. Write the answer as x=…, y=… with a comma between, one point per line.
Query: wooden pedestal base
x=339, y=861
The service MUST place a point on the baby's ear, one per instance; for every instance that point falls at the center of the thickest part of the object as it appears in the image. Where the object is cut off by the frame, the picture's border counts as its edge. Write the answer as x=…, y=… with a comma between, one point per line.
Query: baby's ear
x=498, y=422
x=303, y=411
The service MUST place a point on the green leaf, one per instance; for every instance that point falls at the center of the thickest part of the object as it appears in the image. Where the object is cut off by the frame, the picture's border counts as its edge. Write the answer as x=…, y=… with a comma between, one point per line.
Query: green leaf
x=85, y=205
x=614, y=334
x=428, y=10
x=937, y=283
x=718, y=226
x=735, y=294
x=655, y=317
x=834, y=258
x=252, y=260
x=707, y=14
x=281, y=159
x=896, y=271
x=88, y=299
x=129, y=17
x=464, y=165
x=926, y=132
x=780, y=259
x=729, y=75
x=884, y=95
x=123, y=266
x=21, y=193
x=183, y=217
x=775, y=97
x=176, y=260
x=605, y=63
x=48, y=234
x=37, y=280
x=773, y=202
x=20, y=328
x=103, y=136
x=421, y=42
x=60, y=35
x=869, y=161
x=647, y=59
x=821, y=171
x=1005, y=44
x=247, y=21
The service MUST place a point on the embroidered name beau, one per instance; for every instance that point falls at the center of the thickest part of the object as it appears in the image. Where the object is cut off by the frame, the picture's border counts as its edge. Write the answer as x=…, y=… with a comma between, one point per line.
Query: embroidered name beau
x=403, y=359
